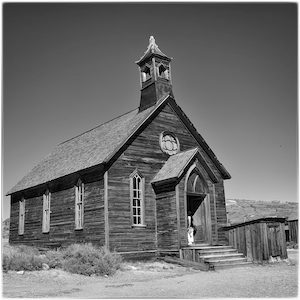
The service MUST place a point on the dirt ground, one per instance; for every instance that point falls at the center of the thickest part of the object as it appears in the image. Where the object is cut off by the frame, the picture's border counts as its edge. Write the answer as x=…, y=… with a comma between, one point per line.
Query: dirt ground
x=160, y=280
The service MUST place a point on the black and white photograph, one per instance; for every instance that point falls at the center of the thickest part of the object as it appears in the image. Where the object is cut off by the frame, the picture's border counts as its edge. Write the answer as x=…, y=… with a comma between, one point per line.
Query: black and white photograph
x=150, y=150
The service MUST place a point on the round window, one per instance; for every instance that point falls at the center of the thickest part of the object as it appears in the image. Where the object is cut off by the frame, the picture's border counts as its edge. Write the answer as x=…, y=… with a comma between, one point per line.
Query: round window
x=169, y=143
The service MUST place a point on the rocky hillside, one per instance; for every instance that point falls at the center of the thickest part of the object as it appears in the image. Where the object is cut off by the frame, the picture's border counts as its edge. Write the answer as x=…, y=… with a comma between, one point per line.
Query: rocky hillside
x=239, y=210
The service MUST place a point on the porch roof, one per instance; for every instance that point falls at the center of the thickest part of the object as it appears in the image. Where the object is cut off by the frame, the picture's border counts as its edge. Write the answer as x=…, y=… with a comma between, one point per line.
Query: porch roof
x=176, y=166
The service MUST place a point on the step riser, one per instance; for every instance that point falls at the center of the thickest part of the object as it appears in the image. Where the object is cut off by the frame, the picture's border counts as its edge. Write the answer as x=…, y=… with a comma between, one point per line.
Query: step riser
x=222, y=267
x=220, y=252
x=221, y=257
x=226, y=262
x=219, y=248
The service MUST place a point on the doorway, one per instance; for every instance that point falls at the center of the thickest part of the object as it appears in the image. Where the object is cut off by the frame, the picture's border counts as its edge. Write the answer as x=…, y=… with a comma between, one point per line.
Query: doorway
x=197, y=205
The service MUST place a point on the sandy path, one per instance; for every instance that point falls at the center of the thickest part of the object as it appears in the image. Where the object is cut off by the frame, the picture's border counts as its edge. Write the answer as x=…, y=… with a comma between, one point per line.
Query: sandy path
x=160, y=280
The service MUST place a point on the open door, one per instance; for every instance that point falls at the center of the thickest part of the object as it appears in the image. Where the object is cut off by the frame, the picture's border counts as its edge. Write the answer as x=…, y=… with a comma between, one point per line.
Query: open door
x=198, y=206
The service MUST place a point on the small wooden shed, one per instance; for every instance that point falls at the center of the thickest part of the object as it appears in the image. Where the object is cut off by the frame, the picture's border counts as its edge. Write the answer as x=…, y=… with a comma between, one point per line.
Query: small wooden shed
x=259, y=239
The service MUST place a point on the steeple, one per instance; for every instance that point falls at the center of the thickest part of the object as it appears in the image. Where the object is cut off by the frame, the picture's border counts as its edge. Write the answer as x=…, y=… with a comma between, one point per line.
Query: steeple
x=155, y=75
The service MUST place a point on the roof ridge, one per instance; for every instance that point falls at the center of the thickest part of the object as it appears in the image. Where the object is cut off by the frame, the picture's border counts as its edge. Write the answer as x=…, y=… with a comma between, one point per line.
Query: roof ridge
x=96, y=127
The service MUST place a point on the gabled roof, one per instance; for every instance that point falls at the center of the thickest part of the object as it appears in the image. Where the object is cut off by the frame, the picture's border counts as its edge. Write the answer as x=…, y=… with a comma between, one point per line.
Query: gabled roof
x=83, y=151
x=152, y=50
x=176, y=166
x=100, y=145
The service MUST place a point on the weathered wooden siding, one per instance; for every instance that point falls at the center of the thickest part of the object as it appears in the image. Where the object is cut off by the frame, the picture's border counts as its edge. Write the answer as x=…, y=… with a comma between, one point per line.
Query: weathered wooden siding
x=183, y=214
x=220, y=211
x=258, y=240
x=293, y=230
x=122, y=236
x=144, y=154
x=167, y=230
x=62, y=218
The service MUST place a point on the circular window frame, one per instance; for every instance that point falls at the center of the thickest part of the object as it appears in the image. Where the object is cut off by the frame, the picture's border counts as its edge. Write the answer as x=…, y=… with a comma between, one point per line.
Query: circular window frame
x=169, y=152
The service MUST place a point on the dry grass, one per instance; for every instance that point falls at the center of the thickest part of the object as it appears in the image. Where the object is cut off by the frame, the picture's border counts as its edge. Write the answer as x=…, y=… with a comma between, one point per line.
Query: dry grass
x=84, y=259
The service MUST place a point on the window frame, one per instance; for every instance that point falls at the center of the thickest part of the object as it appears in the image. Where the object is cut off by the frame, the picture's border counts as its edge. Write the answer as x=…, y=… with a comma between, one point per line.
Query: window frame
x=79, y=205
x=21, y=227
x=46, y=212
x=141, y=189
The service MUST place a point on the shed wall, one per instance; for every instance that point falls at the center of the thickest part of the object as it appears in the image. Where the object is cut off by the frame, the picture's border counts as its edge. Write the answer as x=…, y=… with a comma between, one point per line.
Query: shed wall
x=293, y=230
x=258, y=241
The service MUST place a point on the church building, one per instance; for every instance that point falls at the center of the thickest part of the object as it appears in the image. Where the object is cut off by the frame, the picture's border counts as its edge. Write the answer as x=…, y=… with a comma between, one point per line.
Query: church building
x=130, y=184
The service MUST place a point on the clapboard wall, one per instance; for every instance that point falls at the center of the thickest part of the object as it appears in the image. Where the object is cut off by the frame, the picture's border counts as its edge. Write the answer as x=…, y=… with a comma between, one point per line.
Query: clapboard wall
x=259, y=239
x=62, y=218
x=144, y=154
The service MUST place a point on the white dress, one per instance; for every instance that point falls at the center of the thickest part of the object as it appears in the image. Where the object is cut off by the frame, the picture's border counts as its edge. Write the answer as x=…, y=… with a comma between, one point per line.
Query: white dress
x=190, y=231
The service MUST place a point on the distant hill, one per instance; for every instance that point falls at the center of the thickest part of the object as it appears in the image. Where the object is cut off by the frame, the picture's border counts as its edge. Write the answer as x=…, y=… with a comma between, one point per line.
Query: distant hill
x=239, y=210
x=5, y=229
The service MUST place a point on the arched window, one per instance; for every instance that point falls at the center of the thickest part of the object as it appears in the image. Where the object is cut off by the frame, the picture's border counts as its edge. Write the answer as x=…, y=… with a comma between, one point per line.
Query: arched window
x=196, y=183
x=46, y=211
x=137, y=186
x=79, y=204
x=21, y=216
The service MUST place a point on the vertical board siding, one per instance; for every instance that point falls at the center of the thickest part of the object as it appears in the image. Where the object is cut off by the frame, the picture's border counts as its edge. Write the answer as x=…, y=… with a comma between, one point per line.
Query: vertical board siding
x=62, y=218
x=258, y=241
x=293, y=231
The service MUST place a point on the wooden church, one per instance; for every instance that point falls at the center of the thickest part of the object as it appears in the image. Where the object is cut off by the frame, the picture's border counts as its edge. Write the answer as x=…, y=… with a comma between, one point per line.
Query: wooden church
x=129, y=183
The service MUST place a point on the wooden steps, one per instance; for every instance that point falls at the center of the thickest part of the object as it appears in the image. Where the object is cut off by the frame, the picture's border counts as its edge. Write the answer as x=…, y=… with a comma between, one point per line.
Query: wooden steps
x=217, y=257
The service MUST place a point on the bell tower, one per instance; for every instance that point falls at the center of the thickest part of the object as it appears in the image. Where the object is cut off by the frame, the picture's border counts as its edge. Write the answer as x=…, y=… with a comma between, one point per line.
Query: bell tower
x=155, y=75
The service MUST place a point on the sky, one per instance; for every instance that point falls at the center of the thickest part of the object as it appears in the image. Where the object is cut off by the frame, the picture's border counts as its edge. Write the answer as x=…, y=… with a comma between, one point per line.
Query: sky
x=70, y=67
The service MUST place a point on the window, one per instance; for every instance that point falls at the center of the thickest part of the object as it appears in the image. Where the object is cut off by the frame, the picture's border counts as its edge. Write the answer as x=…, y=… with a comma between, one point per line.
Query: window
x=46, y=211
x=79, y=201
x=137, y=199
x=21, y=216
x=169, y=143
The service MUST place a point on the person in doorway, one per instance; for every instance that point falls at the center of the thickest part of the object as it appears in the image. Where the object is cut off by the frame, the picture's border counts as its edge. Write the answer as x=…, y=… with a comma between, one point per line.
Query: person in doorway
x=191, y=229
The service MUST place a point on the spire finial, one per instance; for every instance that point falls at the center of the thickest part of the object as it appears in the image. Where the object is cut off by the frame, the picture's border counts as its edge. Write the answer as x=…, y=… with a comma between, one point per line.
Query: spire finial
x=152, y=41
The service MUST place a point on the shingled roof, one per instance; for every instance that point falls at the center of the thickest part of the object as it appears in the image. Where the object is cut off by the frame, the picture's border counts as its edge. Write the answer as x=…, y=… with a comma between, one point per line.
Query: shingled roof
x=175, y=165
x=99, y=145
x=83, y=151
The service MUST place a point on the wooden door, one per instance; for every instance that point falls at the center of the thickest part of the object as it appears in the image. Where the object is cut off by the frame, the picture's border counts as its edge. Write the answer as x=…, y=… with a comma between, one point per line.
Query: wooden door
x=196, y=205
x=274, y=239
